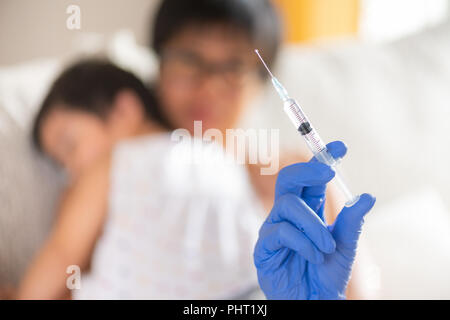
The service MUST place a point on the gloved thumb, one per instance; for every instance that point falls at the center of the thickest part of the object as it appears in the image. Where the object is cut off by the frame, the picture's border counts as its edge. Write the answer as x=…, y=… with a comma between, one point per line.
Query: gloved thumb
x=348, y=224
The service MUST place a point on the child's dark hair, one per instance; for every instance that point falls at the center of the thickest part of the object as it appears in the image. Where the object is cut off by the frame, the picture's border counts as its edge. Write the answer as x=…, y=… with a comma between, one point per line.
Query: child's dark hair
x=91, y=86
x=258, y=20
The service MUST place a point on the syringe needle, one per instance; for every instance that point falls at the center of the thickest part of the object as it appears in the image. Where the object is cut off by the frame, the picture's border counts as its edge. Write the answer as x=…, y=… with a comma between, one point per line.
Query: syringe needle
x=264, y=63
x=276, y=84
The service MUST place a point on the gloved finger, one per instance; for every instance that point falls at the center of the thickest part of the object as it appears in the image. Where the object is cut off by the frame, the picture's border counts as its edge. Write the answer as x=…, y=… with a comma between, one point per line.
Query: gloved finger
x=317, y=204
x=338, y=150
x=293, y=209
x=293, y=178
x=348, y=224
x=284, y=235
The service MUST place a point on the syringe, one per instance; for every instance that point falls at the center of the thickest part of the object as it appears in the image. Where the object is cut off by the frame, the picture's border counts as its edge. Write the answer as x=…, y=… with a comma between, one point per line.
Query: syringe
x=313, y=140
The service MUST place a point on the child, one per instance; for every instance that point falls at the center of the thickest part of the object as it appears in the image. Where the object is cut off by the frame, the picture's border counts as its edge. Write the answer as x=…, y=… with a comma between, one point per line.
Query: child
x=132, y=215
x=90, y=107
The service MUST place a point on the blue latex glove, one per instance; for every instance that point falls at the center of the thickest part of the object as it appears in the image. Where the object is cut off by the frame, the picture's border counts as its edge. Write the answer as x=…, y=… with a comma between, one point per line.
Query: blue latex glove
x=297, y=255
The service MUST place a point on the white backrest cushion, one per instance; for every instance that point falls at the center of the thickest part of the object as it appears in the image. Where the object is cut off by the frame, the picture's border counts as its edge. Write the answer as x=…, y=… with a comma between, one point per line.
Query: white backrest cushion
x=29, y=185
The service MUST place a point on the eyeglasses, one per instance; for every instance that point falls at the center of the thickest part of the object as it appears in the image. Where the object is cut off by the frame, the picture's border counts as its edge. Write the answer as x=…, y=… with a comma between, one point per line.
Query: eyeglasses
x=189, y=68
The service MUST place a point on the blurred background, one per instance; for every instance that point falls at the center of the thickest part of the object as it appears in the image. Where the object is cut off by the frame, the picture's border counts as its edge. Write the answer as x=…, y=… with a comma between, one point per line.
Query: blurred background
x=373, y=73
x=306, y=21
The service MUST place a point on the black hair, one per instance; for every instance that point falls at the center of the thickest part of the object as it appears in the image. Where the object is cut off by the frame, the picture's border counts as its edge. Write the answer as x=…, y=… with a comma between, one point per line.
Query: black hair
x=91, y=85
x=258, y=19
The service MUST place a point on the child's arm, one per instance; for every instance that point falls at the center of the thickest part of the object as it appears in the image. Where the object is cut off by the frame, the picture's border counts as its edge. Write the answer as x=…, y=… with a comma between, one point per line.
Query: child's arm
x=73, y=238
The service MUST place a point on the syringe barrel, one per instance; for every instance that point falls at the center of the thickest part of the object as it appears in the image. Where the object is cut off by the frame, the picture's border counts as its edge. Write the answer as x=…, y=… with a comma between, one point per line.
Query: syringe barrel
x=304, y=126
x=316, y=145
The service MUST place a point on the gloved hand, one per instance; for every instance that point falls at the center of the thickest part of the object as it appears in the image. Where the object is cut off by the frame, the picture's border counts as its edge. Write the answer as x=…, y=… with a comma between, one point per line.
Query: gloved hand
x=297, y=255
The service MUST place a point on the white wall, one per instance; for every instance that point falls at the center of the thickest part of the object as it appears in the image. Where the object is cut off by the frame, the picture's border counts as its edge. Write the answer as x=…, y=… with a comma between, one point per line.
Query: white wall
x=30, y=29
x=385, y=20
